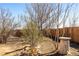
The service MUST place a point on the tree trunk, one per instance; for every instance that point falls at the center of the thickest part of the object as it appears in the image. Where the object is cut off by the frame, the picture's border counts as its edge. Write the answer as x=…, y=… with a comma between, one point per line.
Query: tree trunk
x=4, y=39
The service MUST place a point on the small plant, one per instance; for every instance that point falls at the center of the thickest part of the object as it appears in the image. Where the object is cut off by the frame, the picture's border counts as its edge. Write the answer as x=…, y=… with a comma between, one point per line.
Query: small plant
x=32, y=35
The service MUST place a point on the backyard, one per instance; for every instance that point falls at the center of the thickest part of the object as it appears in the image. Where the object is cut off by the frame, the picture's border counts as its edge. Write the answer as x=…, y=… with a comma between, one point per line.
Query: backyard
x=39, y=29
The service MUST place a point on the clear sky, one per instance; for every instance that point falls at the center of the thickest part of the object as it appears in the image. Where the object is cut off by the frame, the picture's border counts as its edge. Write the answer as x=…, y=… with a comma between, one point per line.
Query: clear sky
x=15, y=8
x=18, y=8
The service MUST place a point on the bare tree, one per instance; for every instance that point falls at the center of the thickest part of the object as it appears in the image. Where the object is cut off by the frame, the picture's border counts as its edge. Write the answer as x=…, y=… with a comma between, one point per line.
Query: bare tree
x=73, y=20
x=61, y=15
x=65, y=14
x=7, y=24
x=41, y=13
x=49, y=15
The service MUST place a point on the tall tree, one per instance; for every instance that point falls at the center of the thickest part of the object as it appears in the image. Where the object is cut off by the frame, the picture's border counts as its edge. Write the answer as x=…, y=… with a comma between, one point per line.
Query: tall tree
x=61, y=15
x=65, y=13
x=41, y=13
x=7, y=24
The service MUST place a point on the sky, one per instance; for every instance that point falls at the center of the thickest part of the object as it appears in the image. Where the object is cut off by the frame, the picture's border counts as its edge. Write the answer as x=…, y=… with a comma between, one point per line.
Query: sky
x=18, y=8
x=15, y=8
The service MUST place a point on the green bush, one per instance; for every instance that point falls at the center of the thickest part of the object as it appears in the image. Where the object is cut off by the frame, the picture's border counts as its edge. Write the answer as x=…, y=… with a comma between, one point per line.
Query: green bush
x=32, y=34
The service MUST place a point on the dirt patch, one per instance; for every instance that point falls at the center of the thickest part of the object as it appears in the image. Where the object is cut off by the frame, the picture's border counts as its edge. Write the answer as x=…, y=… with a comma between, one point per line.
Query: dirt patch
x=10, y=46
x=45, y=46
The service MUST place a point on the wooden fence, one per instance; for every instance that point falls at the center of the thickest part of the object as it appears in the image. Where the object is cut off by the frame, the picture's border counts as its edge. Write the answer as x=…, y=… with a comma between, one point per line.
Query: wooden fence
x=72, y=32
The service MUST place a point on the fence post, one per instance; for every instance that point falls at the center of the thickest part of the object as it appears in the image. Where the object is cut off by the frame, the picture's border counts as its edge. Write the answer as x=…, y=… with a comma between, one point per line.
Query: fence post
x=64, y=45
